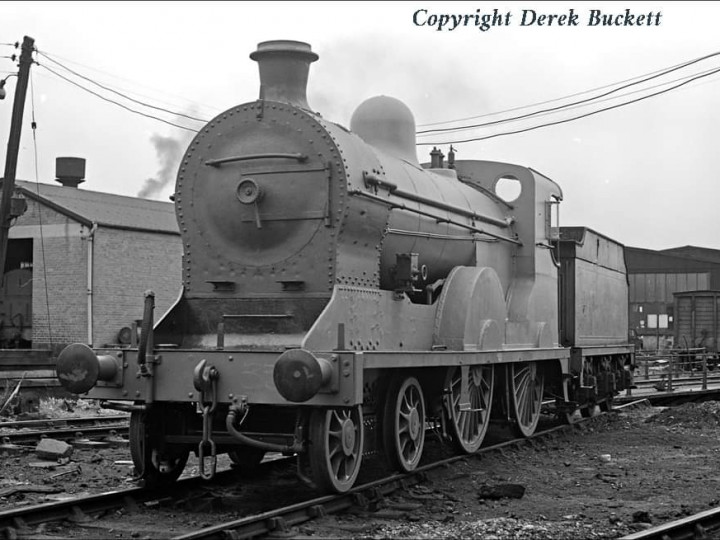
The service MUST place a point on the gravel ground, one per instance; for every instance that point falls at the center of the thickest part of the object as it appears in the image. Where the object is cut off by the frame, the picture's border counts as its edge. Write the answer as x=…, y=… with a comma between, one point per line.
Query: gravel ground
x=622, y=473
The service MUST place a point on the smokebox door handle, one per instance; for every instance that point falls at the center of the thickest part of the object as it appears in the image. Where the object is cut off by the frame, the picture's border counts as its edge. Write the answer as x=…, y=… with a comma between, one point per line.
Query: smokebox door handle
x=248, y=157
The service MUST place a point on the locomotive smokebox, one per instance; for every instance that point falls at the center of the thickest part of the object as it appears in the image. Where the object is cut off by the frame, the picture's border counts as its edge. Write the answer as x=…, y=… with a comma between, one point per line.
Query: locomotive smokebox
x=299, y=375
x=284, y=67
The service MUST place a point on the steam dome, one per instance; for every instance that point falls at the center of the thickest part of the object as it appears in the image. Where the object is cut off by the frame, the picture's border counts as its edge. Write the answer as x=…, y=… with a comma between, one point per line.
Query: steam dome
x=388, y=124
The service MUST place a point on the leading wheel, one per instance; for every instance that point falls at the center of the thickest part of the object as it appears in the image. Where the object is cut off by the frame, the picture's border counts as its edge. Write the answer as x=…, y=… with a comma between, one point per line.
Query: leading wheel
x=526, y=393
x=404, y=423
x=469, y=421
x=155, y=467
x=335, y=449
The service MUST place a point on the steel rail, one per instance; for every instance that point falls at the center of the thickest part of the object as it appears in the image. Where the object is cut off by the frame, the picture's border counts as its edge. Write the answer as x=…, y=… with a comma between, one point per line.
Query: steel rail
x=65, y=434
x=676, y=380
x=63, y=421
x=27, y=516
x=695, y=526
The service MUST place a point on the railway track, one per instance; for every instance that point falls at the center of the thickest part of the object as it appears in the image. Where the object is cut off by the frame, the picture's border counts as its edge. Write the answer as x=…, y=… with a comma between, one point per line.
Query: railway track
x=697, y=527
x=20, y=521
x=689, y=379
x=31, y=431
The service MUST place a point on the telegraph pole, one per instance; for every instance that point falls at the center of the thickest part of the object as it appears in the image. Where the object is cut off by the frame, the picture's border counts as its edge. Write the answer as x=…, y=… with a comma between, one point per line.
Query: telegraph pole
x=8, y=183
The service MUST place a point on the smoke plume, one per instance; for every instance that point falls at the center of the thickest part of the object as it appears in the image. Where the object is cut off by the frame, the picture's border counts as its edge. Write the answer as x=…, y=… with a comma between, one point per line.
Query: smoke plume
x=169, y=153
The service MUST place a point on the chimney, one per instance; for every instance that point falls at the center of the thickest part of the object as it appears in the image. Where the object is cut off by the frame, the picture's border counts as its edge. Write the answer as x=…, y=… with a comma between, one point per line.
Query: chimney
x=284, y=67
x=70, y=171
x=436, y=158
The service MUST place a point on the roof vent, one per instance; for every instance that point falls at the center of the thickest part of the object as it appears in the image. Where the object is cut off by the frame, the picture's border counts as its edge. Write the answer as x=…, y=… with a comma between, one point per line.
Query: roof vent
x=70, y=171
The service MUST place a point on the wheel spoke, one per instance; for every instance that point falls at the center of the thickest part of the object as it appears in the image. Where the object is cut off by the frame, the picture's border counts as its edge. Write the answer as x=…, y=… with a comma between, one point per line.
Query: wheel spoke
x=527, y=392
x=403, y=423
x=335, y=450
x=469, y=427
x=335, y=462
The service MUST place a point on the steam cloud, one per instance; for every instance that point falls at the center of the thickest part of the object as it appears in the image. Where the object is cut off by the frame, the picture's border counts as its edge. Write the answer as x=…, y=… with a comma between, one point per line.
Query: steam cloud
x=169, y=152
x=336, y=86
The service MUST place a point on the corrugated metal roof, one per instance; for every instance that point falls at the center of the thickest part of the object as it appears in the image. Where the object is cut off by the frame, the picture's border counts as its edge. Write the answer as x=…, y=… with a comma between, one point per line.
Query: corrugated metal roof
x=105, y=209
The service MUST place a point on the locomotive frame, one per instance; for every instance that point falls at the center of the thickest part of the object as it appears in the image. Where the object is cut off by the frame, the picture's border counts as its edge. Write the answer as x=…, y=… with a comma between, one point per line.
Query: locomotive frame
x=338, y=298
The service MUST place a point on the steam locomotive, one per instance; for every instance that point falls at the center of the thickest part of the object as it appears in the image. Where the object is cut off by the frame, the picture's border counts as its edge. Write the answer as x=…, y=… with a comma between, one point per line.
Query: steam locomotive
x=338, y=297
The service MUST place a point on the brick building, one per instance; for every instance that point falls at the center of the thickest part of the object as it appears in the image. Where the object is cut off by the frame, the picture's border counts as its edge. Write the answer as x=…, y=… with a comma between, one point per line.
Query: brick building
x=79, y=262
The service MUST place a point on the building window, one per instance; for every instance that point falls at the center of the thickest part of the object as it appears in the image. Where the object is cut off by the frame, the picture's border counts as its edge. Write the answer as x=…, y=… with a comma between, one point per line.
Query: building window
x=652, y=321
x=657, y=321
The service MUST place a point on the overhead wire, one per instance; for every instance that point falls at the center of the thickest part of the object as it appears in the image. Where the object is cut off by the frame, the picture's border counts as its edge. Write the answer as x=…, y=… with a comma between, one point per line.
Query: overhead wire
x=590, y=99
x=453, y=129
x=457, y=141
x=682, y=64
x=116, y=102
x=596, y=102
x=53, y=56
x=144, y=104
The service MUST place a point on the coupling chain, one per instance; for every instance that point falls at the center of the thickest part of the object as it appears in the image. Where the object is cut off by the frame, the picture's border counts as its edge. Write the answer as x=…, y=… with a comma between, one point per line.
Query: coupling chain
x=205, y=379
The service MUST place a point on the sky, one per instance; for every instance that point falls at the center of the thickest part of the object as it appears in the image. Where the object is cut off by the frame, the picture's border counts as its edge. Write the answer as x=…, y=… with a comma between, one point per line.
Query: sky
x=644, y=174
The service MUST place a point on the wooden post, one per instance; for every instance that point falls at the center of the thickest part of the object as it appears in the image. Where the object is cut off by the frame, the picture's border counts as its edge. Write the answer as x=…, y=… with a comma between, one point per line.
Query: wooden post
x=8, y=184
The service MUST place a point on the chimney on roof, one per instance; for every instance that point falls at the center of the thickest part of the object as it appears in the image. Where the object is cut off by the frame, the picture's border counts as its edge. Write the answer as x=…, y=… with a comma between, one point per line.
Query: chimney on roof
x=70, y=171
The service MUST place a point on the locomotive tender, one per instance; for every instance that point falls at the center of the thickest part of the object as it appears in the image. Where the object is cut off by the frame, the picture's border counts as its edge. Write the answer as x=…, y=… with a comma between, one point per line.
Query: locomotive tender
x=338, y=298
